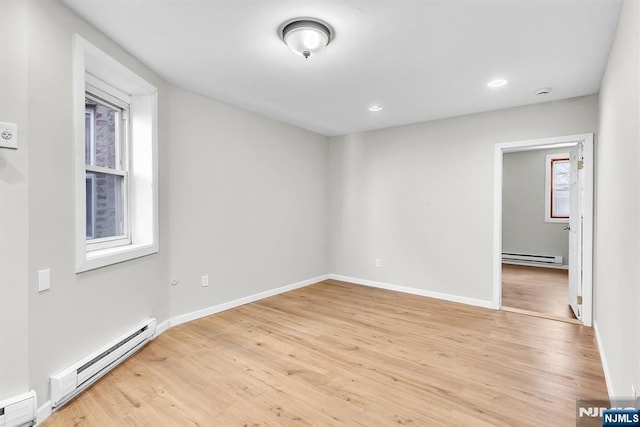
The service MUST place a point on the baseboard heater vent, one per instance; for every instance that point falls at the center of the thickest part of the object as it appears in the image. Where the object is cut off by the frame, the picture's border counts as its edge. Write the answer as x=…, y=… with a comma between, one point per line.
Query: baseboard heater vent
x=19, y=411
x=67, y=383
x=532, y=259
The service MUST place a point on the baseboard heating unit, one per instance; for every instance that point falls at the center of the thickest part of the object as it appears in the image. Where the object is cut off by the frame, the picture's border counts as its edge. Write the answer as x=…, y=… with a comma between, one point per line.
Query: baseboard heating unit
x=18, y=411
x=68, y=382
x=551, y=260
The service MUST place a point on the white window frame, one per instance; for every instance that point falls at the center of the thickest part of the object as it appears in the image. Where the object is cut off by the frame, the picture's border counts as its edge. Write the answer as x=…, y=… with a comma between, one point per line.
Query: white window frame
x=91, y=132
x=114, y=83
x=548, y=189
x=93, y=202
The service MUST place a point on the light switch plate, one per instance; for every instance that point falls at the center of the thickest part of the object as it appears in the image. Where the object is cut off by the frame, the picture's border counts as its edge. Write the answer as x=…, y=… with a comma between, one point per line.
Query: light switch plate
x=44, y=280
x=8, y=135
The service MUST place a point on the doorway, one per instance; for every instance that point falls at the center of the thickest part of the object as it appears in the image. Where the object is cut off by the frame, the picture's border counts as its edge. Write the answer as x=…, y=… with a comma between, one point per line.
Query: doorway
x=535, y=231
x=577, y=292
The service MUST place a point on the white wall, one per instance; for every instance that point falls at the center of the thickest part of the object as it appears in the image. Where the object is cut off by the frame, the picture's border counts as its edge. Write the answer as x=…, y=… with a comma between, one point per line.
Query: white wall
x=524, y=229
x=248, y=203
x=83, y=311
x=13, y=203
x=617, y=216
x=420, y=197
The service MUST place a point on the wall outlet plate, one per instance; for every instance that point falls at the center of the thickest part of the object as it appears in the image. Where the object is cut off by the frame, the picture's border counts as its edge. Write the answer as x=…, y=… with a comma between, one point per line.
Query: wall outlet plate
x=8, y=135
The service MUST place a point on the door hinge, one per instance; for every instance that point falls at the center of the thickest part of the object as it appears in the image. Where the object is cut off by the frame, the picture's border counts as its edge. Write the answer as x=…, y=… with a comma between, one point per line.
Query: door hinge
x=580, y=164
x=579, y=299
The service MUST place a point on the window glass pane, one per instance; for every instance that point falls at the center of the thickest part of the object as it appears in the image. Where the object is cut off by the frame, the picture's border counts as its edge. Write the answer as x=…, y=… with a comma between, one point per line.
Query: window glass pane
x=101, y=145
x=105, y=212
x=561, y=174
x=561, y=204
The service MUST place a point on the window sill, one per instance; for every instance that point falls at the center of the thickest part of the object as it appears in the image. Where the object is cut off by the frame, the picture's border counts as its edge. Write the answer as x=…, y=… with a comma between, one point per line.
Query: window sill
x=109, y=256
x=557, y=220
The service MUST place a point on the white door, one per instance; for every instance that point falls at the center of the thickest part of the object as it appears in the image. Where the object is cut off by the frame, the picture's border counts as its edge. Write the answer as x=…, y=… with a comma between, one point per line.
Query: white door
x=575, y=229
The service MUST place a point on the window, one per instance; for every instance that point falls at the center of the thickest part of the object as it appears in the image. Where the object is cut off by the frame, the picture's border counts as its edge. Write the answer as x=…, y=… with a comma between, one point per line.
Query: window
x=116, y=160
x=557, y=188
x=106, y=154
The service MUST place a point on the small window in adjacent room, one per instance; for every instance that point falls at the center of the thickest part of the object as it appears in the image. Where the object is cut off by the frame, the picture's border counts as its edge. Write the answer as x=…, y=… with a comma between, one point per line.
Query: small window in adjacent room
x=116, y=160
x=557, y=188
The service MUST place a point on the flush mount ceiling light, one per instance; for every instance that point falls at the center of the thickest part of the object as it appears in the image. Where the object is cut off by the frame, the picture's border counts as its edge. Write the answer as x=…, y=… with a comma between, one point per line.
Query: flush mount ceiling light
x=375, y=108
x=306, y=36
x=497, y=83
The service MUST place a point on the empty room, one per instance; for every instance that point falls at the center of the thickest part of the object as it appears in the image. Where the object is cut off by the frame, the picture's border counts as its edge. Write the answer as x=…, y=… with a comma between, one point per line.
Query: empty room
x=327, y=213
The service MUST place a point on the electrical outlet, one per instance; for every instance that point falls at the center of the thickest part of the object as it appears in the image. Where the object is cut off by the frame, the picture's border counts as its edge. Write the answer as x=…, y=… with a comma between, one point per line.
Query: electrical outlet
x=378, y=262
x=9, y=135
x=205, y=281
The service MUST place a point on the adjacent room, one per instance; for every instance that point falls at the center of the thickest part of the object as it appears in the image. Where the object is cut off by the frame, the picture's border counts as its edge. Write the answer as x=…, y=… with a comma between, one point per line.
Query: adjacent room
x=248, y=213
x=535, y=232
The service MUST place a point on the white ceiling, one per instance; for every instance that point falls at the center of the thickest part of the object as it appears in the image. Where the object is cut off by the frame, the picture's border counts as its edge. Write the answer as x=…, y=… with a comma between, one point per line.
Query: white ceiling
x=420, y=59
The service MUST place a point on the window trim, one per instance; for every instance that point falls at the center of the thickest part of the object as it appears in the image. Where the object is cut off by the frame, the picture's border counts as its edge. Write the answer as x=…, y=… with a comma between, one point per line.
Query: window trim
x=548, y=205
x=93, y=66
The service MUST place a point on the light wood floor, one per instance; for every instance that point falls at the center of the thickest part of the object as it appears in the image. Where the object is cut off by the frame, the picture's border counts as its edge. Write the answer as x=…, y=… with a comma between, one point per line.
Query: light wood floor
x=337, y=354
x=536, y=289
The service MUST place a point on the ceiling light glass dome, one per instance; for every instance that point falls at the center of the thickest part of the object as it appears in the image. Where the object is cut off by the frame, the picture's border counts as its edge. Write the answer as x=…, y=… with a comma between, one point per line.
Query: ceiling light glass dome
x=306, y=37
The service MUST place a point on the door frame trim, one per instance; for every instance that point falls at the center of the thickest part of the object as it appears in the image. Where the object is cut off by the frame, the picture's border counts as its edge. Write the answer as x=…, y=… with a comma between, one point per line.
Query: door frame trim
x=587, y=212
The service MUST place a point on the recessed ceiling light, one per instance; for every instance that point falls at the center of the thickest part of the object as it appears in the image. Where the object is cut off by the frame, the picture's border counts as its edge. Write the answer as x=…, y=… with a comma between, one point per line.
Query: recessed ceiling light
x=543, y=91
x=497, y=83
x=375, y=108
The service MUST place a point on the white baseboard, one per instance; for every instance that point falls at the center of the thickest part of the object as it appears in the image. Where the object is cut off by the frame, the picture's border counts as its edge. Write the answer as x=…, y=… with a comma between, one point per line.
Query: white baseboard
x=174, y=321
x=415, y=291
x=603, y=360
x=161, y=327
x=43, y=412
